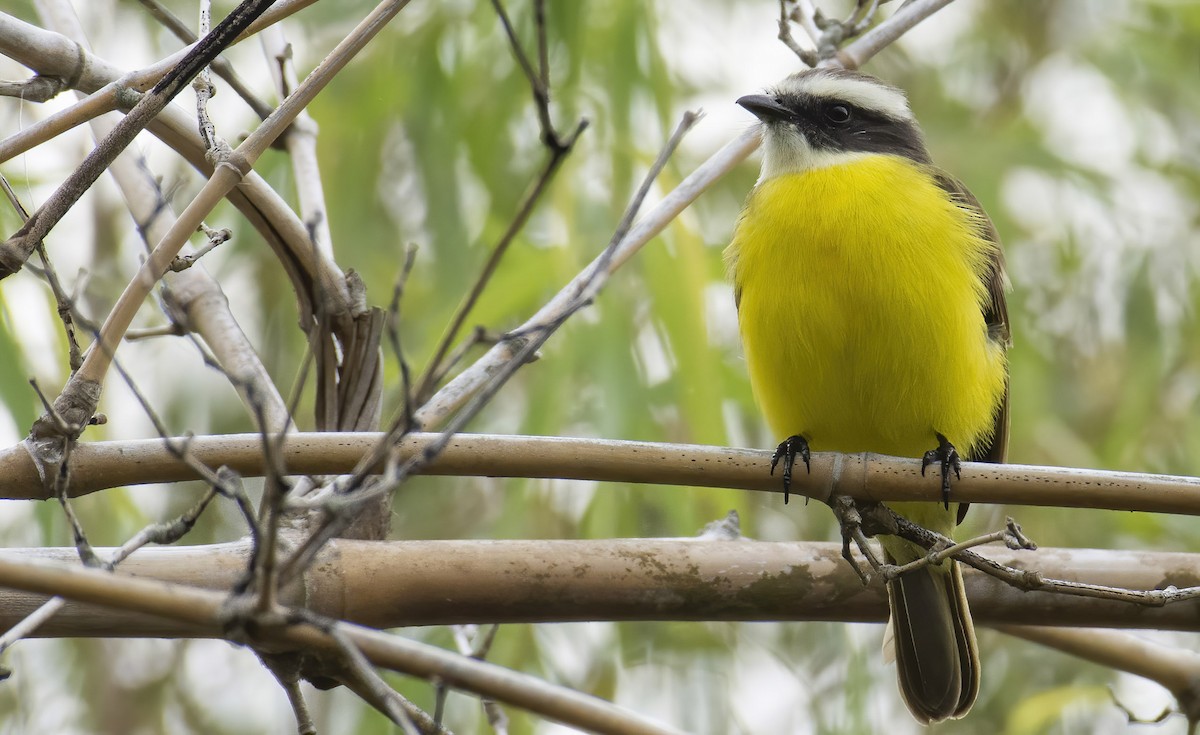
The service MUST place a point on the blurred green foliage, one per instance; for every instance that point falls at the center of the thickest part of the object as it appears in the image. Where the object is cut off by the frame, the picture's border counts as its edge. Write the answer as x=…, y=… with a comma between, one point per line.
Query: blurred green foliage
x=1074, y=122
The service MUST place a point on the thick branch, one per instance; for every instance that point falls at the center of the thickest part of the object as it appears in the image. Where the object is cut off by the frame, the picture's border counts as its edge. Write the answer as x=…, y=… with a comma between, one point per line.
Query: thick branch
x=866, y=477
x=206, y=612
x=389, y=584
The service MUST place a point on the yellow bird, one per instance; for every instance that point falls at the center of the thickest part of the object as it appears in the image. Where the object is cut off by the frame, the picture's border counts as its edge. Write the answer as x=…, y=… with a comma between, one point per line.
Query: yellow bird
x=870, y=293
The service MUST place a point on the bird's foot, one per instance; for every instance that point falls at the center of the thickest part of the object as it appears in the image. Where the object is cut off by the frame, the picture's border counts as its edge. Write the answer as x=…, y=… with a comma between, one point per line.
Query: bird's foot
x=947, y=457
x=792, y=447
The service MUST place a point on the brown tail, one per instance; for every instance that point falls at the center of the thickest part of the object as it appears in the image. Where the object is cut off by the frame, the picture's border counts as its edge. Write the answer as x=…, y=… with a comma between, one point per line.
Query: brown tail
x=936, y=656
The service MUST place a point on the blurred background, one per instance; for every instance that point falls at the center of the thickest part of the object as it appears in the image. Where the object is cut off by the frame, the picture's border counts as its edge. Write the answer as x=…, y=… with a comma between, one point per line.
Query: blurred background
x=1075, y=122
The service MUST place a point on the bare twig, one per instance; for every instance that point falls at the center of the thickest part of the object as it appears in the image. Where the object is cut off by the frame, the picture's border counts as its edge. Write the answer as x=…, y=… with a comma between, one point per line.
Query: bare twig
x=300, y=141
x=1011, y=535
x=57, y=478
x=50, y=52
x=285, y=668
x=223, y=481
x=193, y=300
x=37, y=88
x=226, y=176
x=64, y=303
x=559, y=148
x=809, y=17
x=157, y=533
x=455, y=393
x=203, y=87
x=222, y=67
x=807, y=56
x=16, y=250
x=104, y=100
x=881, y=36
x=397, y=472
x=356, y=668
x=215, y=238
x=427, y=382
x=884, y=520
x=471, y=642
x=393, y=330
x=171, y=329
x=539, y=80
x=30, y=623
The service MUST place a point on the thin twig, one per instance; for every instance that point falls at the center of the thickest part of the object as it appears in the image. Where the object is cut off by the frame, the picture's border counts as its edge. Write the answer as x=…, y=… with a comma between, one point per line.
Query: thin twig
x=806, y=14
x=100, y=102
x=458, y=391
x=478, y=649
x=285, y=668
x=31, y=622
x=16, y=250
x=397, y=472
x=426, y=383
x=158, y=533
x=358, y=669
x=300, y=141
x=1011, y=535
x=479, y=336
x=204, y=89
x=224, y=178
x=807, y=56
x=63, y=302
x=222, y=67
x=58, y=475
x=215, y=238
x=883, y=35
x=1023, y=579
x=393, y=331
x=47, y=51
x=223, y=481
x=538, y=78
x=37, y=88
x=193, y=301
x=558, y=147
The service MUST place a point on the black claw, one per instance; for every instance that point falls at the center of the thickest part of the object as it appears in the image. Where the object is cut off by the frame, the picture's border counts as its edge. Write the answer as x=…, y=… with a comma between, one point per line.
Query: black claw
x=788, y=450
x=947, y=457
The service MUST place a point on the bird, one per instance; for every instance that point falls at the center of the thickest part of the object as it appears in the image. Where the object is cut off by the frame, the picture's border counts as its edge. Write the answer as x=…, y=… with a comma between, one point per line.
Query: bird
x=870, y=289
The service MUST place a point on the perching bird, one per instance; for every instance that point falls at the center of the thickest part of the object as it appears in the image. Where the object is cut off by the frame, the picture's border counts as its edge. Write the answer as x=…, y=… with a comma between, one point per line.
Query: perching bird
x=870, y=293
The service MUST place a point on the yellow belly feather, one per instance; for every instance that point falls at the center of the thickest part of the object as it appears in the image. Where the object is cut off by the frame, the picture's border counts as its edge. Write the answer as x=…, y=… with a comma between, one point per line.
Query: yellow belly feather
x=861, y=290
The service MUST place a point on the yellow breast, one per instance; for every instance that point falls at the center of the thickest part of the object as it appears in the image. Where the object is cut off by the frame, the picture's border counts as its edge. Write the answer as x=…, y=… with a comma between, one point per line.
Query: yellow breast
x=860, y=304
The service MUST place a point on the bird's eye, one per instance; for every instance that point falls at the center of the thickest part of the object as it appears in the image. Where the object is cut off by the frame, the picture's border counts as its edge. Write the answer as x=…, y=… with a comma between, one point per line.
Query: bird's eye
x=837, y=114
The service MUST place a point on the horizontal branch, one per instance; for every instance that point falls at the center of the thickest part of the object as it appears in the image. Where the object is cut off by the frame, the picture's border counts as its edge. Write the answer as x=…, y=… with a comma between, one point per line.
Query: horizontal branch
x=206, y=612
x=867, y=477
x=401, y=583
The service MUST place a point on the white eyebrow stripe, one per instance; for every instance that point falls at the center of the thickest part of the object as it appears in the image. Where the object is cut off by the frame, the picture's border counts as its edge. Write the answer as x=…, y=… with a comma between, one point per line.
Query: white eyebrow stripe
x=858, y=92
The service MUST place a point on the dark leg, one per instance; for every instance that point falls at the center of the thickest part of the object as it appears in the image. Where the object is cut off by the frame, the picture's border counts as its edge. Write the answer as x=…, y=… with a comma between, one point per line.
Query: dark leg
x=792, y=447
x=946, y=456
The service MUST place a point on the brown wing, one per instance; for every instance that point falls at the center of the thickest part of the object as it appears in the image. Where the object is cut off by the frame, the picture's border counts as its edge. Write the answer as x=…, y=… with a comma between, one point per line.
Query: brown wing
x=995, y=314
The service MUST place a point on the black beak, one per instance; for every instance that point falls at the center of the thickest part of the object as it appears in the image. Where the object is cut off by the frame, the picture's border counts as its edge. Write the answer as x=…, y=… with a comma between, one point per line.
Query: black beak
x=765, y=108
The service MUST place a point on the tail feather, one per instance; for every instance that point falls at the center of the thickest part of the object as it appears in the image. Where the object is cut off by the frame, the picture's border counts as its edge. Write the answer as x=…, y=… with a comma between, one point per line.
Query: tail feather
x=936, y=655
